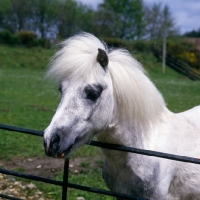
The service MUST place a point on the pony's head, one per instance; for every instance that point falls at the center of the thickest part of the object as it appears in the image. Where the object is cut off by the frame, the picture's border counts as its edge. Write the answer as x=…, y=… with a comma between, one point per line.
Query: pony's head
x=100, y=89
x=86, y=106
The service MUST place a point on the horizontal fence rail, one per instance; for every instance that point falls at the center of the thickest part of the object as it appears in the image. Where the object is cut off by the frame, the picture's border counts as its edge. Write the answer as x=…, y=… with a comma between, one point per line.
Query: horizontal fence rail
x=114, y=146
x=65, y=184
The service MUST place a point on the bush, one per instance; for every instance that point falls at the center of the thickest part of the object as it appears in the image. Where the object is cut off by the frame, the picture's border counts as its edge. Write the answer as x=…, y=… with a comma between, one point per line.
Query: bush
x=177, y=47
x=115, y=42
x=138, y=46
x=6, y=37
x=27, y=38
x=186, y=52
x=45, y=43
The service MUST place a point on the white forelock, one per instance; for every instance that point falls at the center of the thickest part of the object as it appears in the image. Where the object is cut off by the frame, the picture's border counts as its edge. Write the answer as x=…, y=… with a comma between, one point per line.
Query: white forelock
x=76, y=58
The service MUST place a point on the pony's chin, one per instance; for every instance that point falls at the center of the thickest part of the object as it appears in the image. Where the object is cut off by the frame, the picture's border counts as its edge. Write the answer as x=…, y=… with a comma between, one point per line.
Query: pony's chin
x=65, y=153
x=79, y=142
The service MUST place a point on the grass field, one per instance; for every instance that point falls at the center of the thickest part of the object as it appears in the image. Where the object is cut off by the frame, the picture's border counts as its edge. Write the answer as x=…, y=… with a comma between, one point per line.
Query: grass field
x=28, y=100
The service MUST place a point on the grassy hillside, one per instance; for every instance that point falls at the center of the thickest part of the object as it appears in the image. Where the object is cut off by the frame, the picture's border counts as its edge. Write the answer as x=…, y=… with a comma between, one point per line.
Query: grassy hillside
x=28, y=100
x=20, y=57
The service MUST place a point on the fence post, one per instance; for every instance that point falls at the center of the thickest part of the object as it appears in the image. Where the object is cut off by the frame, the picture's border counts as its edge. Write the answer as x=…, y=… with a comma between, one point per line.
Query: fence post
x=65, y=179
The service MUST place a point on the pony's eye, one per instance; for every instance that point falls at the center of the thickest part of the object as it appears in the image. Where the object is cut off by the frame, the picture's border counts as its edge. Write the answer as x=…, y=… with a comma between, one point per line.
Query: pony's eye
x=93, y=93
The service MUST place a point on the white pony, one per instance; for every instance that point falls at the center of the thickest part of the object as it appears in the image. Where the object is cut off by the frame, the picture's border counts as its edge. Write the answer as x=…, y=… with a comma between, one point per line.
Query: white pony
x=106, y=93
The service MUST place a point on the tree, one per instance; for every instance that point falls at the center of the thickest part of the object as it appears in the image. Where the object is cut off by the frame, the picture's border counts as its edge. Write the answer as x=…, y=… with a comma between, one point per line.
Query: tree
x=43, y=16
x=72, y=17
x=167, y=25
x=103, y=23
x=122, y=19
x=4, y=10
x=20, y=14
x=153, y=20
x=168, y=22
x=193, y=33
x=157, y=19
x=160, y=24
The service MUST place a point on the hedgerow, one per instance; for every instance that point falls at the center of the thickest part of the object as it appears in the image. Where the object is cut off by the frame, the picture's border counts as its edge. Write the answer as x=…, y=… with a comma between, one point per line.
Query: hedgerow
x=23, y=38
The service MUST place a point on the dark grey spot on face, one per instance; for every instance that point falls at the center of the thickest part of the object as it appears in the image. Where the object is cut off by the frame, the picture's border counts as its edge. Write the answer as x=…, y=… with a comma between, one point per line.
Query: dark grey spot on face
x=93, y=92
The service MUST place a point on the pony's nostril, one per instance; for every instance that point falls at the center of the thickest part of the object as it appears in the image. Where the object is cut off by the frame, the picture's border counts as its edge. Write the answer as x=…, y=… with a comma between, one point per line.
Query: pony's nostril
x=56, y=139
x=55, y=142
x=54, y=145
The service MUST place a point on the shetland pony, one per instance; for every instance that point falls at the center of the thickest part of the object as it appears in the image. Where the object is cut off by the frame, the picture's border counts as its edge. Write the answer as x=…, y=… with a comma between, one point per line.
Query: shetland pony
x=106, y=93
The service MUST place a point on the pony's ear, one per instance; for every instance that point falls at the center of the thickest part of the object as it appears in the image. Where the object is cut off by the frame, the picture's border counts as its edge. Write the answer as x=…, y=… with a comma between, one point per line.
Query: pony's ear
x=102, y=58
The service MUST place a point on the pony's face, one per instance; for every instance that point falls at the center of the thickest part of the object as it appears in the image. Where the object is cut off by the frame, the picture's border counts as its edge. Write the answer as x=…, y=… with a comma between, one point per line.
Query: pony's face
x=85, y=109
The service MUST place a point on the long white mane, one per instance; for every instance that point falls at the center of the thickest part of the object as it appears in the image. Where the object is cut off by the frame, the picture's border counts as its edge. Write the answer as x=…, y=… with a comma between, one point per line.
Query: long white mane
x=136, y=96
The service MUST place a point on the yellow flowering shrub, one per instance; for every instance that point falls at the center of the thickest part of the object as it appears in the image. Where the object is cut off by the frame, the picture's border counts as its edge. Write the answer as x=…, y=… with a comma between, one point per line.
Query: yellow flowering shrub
x=186, y=52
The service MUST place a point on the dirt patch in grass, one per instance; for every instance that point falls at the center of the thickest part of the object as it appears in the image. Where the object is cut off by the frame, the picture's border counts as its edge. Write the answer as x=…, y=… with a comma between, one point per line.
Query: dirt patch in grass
x=48, y=167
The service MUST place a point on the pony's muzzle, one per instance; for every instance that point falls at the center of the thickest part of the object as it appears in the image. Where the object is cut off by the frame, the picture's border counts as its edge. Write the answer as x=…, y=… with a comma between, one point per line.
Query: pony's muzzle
x=56, y=147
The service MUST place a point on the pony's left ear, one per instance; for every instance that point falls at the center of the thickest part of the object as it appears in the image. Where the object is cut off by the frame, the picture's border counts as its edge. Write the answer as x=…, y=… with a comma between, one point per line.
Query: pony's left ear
x=102, y=58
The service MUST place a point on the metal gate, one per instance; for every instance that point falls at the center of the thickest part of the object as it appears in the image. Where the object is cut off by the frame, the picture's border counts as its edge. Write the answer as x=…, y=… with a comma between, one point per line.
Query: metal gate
x=65, y=184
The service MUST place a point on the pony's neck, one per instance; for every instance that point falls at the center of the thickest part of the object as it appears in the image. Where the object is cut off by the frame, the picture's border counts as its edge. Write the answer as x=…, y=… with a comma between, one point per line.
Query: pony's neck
x=132, y=132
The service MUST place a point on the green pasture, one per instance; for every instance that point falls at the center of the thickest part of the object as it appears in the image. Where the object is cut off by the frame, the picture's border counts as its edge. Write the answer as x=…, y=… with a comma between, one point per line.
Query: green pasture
x=28, y=100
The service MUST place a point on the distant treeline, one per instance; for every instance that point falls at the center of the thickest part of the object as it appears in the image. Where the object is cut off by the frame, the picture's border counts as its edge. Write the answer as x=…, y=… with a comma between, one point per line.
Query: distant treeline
x=57, y=19
x=193, y=33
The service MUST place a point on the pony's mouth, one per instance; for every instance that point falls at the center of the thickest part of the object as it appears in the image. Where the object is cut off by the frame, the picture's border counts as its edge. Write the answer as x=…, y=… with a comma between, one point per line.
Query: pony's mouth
x=65, y=153
x=61, y=149
x=79, y=141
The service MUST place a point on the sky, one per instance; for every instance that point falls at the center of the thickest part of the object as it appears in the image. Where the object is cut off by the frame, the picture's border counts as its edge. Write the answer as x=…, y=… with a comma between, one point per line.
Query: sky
x=185, y=12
